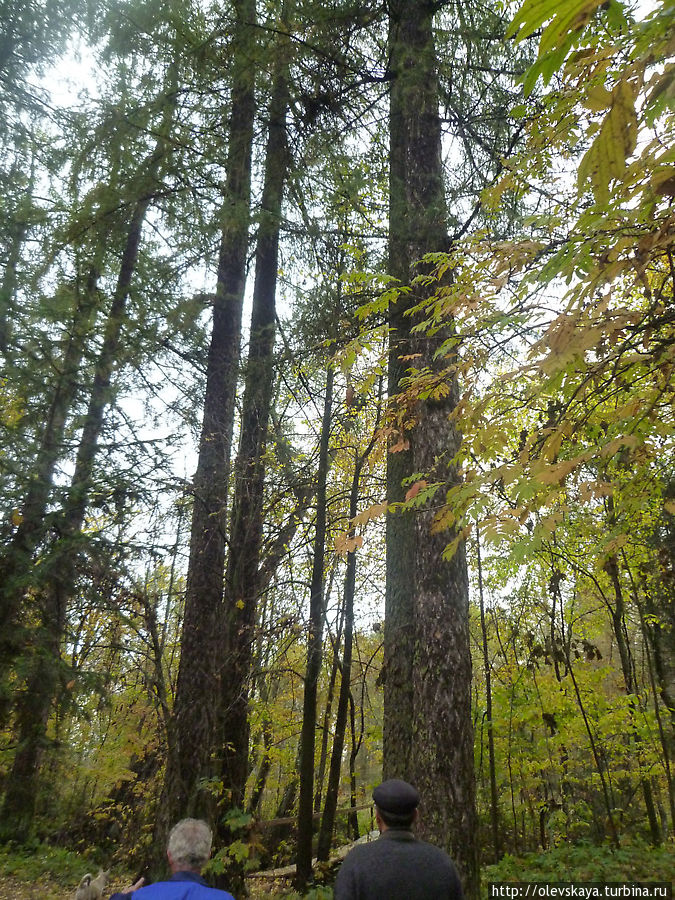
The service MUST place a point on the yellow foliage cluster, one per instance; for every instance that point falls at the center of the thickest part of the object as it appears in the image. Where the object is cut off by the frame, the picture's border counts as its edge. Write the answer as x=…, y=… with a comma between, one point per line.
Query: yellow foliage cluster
x=563, y=336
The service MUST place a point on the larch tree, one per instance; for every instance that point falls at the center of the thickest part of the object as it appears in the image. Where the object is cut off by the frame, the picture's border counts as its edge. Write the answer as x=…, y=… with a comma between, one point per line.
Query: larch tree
x=242, y=579
x=428, y=734
x=194, y=723
x=58, y=573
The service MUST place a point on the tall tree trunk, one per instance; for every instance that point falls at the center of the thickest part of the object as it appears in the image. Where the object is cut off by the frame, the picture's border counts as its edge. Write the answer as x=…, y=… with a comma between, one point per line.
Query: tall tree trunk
x=325, y=730
x=494, y=796
x=332, y=790
x=428, y=735
x=354, y=752
x=18, y=230
x=61, y=567
x=330, y=805
x=658, y=624
x=621, y=635
x=666, y=731
x=17, y=571
x=314, y=644
x=193, y=731
x=33, y=706
x=246, y=528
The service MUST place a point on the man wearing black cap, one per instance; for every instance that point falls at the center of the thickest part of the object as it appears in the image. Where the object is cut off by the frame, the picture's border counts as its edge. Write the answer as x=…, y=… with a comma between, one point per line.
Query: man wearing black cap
x=397, y=866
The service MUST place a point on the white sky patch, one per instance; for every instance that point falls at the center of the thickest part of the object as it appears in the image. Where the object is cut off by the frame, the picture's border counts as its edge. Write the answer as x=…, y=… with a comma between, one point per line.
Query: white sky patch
x=72, y=79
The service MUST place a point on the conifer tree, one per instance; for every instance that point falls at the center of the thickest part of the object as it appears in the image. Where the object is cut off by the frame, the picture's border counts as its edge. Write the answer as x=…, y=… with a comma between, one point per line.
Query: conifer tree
x=428, y=734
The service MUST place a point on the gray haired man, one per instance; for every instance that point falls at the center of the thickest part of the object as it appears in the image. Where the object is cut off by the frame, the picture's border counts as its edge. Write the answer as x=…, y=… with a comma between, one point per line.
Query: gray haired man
x=188, y=850
x=397, y=866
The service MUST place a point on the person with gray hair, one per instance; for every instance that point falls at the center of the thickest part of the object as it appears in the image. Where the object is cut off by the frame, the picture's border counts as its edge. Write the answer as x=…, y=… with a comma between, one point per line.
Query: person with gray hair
x=188, y=850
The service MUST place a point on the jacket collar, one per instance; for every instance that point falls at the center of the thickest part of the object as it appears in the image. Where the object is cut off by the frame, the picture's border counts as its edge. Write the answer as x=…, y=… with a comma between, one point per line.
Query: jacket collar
x=398, y=834
x=187, y=876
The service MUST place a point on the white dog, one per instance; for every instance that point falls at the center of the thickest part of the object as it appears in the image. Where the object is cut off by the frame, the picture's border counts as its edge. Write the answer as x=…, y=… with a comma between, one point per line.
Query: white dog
x=92, y=888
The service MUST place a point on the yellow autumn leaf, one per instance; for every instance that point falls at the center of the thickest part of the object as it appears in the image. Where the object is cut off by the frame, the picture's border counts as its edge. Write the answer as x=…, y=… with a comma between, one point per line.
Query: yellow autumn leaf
x=570, y=16
x=598, y=98
x=533, y=13
x=549, y=524
x=669, y=507
x=559, y=471
x=515, y=513
x=613, y=447
x=345, y=543
x=663, y=181
x=552, y=444
x=400, y=446
x=372, y=512
x=605, y=159
x=616, y=543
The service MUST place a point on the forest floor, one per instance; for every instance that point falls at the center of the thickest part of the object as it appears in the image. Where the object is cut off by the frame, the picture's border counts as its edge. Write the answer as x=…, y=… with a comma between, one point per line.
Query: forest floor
x=46, y=873
x=12, y=888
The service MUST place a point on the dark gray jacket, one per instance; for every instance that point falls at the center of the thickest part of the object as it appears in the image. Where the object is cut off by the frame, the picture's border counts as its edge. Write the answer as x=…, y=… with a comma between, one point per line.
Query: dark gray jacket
x=397, y=866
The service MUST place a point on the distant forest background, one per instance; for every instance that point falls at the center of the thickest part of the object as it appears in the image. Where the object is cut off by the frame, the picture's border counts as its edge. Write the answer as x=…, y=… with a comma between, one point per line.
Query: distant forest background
x=336, y=423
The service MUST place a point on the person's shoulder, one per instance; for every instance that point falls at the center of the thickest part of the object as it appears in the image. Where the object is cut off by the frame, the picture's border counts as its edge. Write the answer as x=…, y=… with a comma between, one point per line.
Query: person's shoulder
x=168, y=889
x=435, y=849
x=364, y=847
x=439, y=856
x=360, y=851
x=209, y=893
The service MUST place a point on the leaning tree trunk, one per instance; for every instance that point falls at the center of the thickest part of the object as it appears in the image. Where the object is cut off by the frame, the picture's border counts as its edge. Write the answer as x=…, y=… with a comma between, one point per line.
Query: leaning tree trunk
x=428, y=735
x=327, y=713
x=193, y=727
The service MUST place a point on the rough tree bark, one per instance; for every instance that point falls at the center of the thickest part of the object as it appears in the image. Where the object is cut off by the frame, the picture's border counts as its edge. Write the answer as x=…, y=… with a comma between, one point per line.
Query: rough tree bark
x=246, y=528
x=193, y=731
x=17, y=226
x=328, y=712
x=428, y=735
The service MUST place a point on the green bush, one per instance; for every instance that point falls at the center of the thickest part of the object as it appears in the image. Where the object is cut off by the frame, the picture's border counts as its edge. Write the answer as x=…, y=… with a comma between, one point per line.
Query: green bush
x=585, y=862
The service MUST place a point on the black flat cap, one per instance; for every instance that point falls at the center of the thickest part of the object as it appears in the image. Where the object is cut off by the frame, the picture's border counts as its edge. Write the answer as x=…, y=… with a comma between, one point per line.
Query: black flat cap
x=396, y=796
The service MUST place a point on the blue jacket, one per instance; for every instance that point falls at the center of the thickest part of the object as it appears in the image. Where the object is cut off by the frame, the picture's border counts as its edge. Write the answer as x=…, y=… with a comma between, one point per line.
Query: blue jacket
x=181, y=886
